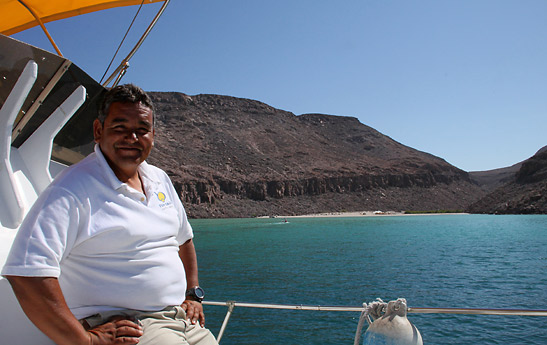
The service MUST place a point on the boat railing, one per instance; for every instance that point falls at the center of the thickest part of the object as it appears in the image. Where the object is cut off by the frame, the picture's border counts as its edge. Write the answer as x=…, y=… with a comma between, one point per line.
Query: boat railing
x=361, y=309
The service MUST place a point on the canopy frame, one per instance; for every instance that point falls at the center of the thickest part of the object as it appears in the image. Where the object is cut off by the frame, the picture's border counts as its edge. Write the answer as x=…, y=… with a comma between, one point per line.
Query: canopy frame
x=35, y=15
x=124, y=65
x=40, y=19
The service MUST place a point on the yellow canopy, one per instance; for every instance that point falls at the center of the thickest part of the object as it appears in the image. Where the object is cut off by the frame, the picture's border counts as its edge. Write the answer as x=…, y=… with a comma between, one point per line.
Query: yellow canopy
x=15, y=17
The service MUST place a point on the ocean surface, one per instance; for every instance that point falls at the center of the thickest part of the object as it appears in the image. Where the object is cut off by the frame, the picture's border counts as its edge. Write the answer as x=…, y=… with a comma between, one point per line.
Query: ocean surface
x=460, y=261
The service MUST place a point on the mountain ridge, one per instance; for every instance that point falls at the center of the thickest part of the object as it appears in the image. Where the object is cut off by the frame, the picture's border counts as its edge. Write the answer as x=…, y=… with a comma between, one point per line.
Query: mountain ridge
x=524, y=191
x=237, y=157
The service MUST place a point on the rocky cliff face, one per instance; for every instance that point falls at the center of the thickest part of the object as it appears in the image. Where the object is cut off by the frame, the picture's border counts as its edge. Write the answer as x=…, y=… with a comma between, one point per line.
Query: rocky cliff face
x=524, y=193
x=232, y=157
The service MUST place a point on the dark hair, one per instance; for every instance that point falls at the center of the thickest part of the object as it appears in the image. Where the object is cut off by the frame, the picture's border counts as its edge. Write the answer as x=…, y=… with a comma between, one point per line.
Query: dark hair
x=127, y=93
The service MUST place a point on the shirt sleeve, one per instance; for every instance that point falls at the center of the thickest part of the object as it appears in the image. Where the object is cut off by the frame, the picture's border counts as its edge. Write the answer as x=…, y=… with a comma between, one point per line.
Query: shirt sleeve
x=185, y=232
x=46, y=234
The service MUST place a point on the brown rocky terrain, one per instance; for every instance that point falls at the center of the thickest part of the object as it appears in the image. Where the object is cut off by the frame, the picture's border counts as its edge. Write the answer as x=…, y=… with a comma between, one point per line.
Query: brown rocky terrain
x=233, y=157
x=489, y=180
x=525, y=191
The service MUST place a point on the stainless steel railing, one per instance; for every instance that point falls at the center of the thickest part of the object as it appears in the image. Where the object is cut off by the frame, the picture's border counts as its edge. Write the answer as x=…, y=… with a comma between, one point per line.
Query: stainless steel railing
x=469, y=311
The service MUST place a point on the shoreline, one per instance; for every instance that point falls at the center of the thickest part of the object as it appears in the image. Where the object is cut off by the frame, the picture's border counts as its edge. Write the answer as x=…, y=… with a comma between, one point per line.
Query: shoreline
x=362, y=214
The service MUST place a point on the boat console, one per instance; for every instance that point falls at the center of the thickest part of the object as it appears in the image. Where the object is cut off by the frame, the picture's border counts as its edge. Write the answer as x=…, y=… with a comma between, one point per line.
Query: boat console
x=47, y=107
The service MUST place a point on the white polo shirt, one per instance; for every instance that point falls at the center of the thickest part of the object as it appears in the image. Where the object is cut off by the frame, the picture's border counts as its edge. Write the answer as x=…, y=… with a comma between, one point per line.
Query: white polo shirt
x=109, y=245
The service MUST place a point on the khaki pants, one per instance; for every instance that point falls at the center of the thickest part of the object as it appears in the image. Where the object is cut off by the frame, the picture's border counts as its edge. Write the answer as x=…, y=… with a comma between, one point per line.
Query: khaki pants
x=165, y=327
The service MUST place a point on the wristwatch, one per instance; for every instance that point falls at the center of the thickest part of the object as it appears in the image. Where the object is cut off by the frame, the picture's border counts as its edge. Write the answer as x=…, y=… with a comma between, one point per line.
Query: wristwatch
x=196, y=293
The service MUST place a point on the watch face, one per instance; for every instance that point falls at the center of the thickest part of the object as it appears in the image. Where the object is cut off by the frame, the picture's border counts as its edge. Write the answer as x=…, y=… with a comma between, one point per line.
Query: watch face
x=199, y=292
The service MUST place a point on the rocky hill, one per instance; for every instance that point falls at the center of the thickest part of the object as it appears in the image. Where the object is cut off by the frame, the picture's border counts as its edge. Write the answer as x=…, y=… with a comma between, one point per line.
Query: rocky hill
x=490, y=180
x=524, y=193
x=233, y=157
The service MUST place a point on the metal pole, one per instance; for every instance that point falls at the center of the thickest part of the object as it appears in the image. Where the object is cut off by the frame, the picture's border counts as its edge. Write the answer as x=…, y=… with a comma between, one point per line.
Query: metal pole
x=125, y=62
x=471, y=311
x=231, y=306
x=478, y=311
x=43, y=27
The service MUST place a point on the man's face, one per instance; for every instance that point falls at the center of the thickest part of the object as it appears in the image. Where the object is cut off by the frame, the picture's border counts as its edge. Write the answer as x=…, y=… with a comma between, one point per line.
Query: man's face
x=126, y=137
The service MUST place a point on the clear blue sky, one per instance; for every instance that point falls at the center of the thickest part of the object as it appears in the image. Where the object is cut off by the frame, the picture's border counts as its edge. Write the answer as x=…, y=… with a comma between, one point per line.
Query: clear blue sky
x=463, y=80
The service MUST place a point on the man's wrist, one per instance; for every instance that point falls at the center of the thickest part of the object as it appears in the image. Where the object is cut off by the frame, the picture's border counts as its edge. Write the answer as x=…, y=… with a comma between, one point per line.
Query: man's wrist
x=195, y=293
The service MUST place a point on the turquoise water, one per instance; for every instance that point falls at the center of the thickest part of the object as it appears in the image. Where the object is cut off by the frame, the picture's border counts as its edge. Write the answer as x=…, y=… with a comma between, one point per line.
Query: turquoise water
x=463, y=261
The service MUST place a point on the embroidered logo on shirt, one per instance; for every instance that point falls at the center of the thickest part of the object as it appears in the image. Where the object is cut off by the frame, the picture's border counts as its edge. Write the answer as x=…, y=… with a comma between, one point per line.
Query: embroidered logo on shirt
x=161, y=196
x=163, y=200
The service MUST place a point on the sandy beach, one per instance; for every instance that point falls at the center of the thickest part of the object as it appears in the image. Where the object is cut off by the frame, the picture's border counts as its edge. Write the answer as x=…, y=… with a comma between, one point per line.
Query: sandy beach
x=342, y=214
x=359, y=214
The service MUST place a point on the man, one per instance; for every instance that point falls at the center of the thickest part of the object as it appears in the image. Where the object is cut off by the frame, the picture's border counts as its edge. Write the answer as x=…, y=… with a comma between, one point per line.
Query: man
x=105, y=255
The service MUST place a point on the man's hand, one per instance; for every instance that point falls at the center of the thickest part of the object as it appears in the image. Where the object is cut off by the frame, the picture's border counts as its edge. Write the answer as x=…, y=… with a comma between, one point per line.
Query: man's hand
x=118, y=331
x=194, y=312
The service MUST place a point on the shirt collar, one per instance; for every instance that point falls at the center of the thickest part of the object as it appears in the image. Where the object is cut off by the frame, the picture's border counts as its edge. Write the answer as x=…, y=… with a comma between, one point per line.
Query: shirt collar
x=144, y=171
